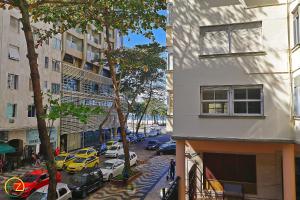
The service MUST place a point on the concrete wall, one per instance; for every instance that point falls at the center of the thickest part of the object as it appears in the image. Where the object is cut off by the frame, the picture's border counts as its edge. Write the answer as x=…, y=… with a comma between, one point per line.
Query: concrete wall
x=270, y=70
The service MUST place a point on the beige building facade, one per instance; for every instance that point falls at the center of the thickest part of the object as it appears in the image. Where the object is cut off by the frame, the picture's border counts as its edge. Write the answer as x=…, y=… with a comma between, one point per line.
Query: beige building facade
x=235, y=97
x=63, y=60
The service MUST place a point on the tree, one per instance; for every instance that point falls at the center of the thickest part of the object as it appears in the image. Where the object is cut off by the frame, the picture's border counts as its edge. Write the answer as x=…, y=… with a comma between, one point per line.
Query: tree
x=139, y=66
x=137, y=16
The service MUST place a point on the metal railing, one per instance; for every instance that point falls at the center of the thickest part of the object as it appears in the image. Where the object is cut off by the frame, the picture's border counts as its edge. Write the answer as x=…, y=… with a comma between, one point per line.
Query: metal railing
x=172, y=192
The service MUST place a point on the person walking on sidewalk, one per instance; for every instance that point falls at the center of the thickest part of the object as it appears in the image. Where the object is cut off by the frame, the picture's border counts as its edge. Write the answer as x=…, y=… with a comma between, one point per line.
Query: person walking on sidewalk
x=172, y=169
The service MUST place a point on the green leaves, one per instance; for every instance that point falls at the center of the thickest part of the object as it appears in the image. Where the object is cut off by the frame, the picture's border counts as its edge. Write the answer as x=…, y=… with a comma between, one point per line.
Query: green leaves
x=56, y=110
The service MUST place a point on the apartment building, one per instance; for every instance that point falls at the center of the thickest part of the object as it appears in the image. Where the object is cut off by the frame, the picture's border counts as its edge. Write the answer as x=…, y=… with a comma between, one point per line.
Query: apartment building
x=235, y=80
x=17, y=111
x=69, y=68
x=85, y=81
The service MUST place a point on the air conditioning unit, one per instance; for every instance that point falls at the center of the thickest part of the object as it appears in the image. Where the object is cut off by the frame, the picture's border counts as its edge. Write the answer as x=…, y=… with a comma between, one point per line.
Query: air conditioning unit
x=11, y=120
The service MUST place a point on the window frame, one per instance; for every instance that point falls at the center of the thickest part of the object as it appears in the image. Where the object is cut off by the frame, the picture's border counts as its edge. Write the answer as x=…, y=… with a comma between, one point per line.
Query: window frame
x=296, y=26
x=31, y=111
x=231, y=100
x=11, y=49
x=56, y=65
x=14, y=110
x=12, y=81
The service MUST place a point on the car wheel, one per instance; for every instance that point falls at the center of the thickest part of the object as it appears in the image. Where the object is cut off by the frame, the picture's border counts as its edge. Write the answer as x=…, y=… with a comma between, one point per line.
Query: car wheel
x=110, y=177
x=84, y=194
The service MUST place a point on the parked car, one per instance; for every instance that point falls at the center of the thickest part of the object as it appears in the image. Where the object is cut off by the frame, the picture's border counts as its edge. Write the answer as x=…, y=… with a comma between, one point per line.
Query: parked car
x=33, y=181
x=132, y=158
x=114, y=152
x=140, y=137
x=119, y=138
x=153, y=133
x=62, y=190
x=63, y=160
x=111, y=143
x=167, y=149
x=85, y=182
x=101, y=149
x=81, y=163
x=112, y=168
x=152, y=145
x=86, y=152
x=132, y=139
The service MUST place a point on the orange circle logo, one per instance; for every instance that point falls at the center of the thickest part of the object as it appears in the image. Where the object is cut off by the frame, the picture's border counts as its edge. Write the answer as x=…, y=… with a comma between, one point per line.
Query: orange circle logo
x=14, y=184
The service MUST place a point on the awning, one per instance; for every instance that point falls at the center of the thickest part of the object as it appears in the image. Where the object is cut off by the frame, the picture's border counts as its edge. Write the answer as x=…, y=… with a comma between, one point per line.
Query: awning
x=5, y=148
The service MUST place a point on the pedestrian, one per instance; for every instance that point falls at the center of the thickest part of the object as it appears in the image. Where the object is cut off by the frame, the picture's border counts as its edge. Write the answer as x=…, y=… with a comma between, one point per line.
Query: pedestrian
x=172, y=169
x=37, y=161
x=33, y=158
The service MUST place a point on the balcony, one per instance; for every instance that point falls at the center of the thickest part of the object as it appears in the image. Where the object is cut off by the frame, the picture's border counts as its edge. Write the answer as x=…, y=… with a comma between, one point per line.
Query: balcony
x=93, y=57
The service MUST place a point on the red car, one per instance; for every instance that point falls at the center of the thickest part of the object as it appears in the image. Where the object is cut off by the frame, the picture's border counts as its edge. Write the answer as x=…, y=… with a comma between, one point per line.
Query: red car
x=32, y=182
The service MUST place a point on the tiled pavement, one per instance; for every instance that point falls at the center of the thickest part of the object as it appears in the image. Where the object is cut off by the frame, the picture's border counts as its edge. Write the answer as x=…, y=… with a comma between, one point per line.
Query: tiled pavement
x=153, y=171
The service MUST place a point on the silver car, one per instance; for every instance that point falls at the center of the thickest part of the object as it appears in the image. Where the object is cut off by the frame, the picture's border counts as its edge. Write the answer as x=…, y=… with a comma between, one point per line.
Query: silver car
x=62, y=193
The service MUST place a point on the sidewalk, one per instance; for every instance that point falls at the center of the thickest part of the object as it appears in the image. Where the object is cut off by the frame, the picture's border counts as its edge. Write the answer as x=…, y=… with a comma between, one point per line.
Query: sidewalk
x=154, y=194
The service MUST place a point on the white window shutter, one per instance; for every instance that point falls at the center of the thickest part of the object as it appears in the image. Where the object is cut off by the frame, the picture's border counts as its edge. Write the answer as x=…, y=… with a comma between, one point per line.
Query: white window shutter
x=215, y=42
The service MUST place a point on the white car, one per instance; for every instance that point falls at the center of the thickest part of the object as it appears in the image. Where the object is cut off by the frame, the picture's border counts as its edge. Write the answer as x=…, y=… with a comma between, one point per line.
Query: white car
x=63, y=193
x=132, y=158
x=114, y=152
x=112, y=168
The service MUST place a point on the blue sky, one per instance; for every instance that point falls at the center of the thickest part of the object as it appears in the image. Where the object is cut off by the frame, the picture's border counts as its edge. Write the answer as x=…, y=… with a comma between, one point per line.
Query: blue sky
x=135, y=39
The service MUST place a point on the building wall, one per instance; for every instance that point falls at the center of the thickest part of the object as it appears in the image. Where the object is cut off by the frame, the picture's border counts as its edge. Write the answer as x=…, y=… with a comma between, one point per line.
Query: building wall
x=271, y=69
x=22, y=96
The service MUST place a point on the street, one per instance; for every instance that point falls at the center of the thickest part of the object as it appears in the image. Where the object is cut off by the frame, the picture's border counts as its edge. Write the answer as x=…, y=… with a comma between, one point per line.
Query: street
x=153, y=168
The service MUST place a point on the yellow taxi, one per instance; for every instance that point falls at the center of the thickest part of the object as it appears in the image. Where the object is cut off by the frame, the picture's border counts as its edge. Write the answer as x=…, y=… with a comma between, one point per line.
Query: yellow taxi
x=63, y=159
x=81, y=163
x=86, y=152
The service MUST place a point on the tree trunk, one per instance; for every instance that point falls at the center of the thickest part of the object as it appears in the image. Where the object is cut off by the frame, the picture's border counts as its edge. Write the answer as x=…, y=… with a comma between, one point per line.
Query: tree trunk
x=143, y=113
x=103, y=122
x=118, y=104
x=38, y=99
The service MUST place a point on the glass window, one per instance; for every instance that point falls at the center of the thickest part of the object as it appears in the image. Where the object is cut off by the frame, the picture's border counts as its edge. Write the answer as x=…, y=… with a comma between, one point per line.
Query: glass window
x=232, y=100
x=13, y=52
x=11, y=110
x=296, y=28
x=55, y=88
x=62, y=192
x=55, y=65
x=12, y=81
x=46, y=62
x=56, y=43
x=31, y=111
x=215, y=101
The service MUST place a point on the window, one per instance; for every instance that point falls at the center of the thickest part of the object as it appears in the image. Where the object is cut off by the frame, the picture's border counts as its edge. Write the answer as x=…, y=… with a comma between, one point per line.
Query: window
x=231, y=168
x=234, y=38
x=11, y=110
x=296, y=28
x=55, y=88
x=46, y=62
x=31, y=111
x=14, y=24
x=232, y=100
x=62, y=192
x=12, y=81
x=170, y=61
x=13, y=52
x=56, y=43
x=55, y=65
x=70, y=84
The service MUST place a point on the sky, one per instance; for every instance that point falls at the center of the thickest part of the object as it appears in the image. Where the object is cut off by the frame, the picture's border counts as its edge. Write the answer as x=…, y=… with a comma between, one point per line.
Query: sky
x=135, y=39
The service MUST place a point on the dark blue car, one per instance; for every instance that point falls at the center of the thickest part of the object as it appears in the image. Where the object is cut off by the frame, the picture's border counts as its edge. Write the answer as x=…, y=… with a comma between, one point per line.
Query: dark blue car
x=101, y=149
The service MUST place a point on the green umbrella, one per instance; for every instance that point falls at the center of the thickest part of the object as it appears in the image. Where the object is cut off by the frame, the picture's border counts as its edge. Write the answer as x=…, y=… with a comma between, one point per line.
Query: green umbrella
x=5, y=148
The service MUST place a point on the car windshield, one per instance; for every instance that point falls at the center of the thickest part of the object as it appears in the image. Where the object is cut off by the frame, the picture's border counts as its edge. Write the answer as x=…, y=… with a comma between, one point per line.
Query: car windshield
x=82, y=152
x=29, y=178
x=152, y=142
x=109, y=143
x=114, y=148
x=122, y=157
x=78, y=179
x=107, y=165
x=60, y=158
x=38, y=196
x=79, y=160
